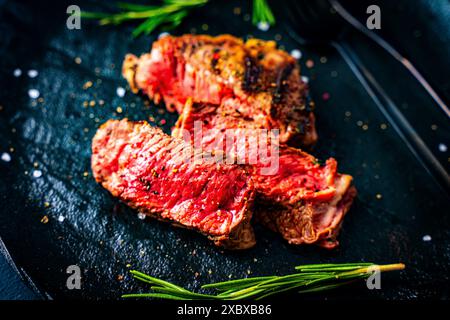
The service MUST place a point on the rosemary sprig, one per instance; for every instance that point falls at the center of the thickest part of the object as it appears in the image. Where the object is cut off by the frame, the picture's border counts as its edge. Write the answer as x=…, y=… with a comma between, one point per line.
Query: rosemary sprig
x=169, y=14
x=262, y=13
x=308, y=278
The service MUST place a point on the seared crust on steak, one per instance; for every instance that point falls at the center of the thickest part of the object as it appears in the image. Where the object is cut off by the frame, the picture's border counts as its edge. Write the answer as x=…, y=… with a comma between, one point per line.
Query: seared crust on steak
x=309, y=222
x=260, y=81
x=159, y=175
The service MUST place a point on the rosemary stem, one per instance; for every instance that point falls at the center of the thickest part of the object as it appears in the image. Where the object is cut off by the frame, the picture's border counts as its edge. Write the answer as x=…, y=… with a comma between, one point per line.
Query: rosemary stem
x=391, y=267
x=312, y=278
x=381, y=268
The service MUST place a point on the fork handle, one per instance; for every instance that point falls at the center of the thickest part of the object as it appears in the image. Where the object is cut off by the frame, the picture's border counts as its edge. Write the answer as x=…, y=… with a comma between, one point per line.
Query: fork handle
x=391, y=50
x=395, y=117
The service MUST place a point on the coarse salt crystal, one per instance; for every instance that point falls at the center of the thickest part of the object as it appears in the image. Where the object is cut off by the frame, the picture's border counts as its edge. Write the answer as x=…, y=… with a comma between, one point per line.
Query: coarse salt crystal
x=61, y=218
x=442, y=147
x=426, y=238
x=17, y=72
x=141, y=216
x=37, y=173
x=297, y=54
x=32, y=73
x=120, y=91
x=6, y=157
x=263, y=26
x=33, y=93
x=163, y=34
x=305, y=79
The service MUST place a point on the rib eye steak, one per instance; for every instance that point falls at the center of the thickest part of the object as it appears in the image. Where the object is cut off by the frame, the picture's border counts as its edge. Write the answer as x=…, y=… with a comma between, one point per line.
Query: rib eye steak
x=162, y=177
x=256, y=79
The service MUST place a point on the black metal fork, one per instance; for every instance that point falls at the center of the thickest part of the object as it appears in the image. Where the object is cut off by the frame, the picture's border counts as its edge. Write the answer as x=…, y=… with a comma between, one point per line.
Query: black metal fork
x=325, y=23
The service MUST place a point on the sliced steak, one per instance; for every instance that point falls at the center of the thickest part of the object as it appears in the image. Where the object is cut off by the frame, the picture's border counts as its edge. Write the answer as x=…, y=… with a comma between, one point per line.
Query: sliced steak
x=225, y=84
x=281, y=174
x=310, y=221
x=162, y=177
x=261, y=82
x=300, y=198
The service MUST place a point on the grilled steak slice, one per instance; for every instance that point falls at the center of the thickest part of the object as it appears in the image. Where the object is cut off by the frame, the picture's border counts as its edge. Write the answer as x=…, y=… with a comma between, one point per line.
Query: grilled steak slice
x=304, y=201
x=159, y=176
x=281, y=174
x=310, y=221
x=259, y=81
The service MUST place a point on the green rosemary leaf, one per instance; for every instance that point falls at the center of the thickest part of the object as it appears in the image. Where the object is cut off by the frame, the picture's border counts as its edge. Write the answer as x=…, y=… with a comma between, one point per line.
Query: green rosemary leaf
x=281, y=289
x=94, y=15
x=168, y=14
x=326, y=287
x=332, y=267
x=262, y=12
x=176, y=19
x=182, y=294
x=157, y=281
x=152, y=295
x=148, y=26
x=231, y=283
x=245, y=295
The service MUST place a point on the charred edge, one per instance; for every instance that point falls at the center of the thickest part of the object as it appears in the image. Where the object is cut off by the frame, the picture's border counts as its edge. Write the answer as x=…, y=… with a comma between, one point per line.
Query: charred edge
x=309, y=104
x=129, y=72
x=251, y=75
x=303, y=126
x=242, y=237
x=215, y=60
x=281, y=83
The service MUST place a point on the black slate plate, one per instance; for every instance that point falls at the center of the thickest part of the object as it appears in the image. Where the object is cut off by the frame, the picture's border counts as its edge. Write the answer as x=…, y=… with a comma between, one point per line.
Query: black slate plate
x=104, y=237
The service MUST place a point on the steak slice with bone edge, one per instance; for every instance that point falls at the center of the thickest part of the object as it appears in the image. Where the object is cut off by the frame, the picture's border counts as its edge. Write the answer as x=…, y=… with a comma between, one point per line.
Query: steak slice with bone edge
x=261, y=82
x=159, y=176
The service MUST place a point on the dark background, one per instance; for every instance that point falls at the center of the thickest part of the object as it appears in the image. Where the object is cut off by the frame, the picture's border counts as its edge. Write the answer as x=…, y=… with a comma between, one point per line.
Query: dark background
x=103, y=236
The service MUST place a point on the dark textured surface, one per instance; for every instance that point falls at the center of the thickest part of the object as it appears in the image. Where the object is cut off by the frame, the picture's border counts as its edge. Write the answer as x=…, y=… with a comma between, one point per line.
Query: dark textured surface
x=14, y=285
x=103, y=236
